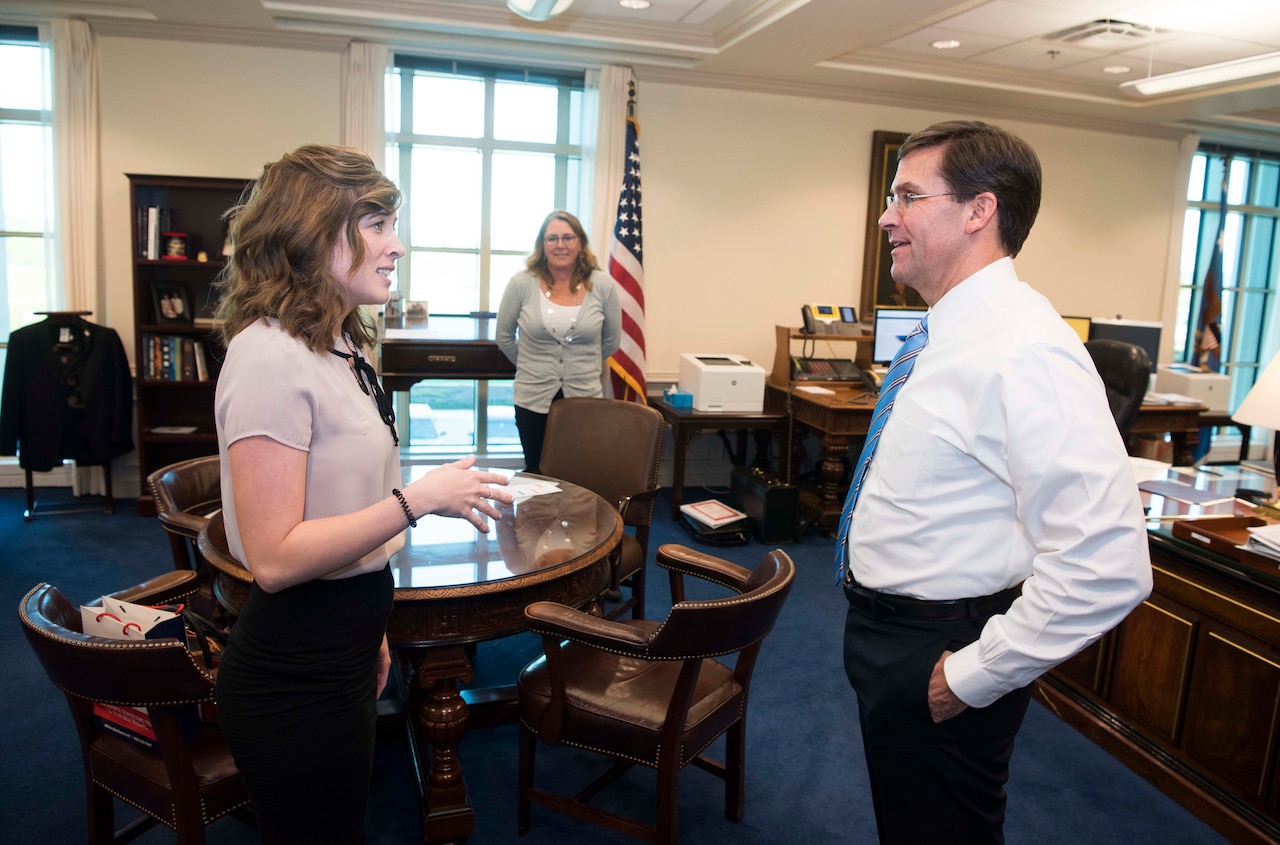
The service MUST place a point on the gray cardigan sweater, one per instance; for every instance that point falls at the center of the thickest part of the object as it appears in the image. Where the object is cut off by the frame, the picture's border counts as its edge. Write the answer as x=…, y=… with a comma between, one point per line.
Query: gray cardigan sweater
x=544, y=365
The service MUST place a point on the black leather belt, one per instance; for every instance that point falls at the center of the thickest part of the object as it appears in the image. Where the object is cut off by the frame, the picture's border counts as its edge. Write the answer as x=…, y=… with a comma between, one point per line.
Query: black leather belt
x=887, y=605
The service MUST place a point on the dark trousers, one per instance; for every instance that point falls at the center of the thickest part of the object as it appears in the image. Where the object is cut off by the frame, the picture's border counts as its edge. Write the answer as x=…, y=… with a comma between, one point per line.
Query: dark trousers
x=533, y=430
x=934, y=783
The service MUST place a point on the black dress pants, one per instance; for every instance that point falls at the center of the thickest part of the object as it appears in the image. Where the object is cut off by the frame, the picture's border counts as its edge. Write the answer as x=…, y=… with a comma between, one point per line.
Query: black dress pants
x=533, y=431
x=934, y=783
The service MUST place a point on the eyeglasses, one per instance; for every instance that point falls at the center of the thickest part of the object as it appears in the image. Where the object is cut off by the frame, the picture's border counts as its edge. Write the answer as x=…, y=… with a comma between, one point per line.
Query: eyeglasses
x=363, y=367
x=567, y=240
x=905, y=201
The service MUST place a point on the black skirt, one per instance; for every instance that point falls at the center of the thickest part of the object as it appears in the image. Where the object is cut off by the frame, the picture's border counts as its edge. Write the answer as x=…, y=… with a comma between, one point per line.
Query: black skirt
x=296, y=697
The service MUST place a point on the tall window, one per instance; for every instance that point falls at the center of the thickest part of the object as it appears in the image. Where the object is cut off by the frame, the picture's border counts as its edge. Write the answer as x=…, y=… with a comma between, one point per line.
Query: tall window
x=1249, y=260
x=482, y=155
x=28, y=277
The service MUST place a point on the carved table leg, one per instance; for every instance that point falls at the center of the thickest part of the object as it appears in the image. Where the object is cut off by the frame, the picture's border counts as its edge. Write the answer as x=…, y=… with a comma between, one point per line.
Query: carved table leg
x=442, y=720
x=833, y=481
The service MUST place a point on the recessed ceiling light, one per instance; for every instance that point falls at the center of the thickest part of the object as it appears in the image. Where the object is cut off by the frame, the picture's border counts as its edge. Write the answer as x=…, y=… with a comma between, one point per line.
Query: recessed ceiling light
x=634, y=4
x=948, y=44
x=1116, y=69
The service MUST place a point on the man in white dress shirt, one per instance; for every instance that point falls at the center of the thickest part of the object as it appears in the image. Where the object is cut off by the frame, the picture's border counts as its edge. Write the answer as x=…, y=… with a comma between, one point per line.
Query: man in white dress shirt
x=998, y=530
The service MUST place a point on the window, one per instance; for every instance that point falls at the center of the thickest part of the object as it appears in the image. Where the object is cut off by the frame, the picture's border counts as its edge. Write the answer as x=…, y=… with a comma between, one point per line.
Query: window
x=482, y=155
x=28, y=267
x=1249, y=260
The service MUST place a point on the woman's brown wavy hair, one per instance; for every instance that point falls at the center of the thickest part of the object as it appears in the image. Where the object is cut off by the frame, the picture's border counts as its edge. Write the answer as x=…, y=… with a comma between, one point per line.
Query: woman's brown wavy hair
x=283, y=235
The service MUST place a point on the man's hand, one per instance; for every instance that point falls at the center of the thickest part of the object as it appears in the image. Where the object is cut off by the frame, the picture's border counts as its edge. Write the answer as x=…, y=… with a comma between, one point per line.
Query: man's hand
x=943, y=703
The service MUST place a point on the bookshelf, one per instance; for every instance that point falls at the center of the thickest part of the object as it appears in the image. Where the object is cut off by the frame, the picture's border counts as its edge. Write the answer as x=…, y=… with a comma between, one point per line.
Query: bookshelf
x=176, y=221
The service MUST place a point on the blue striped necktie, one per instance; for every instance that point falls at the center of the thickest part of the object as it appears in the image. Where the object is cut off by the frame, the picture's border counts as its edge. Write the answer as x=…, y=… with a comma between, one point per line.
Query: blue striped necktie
x=899, y=372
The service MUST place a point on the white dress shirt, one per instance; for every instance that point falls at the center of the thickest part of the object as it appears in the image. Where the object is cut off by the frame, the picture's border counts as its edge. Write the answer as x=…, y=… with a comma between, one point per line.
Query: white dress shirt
x=1001, y=463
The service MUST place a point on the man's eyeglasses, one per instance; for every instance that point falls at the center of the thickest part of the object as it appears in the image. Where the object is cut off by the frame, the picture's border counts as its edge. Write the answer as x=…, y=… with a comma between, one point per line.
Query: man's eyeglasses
x=567, y=240
x=903, y=202
x=363, y=367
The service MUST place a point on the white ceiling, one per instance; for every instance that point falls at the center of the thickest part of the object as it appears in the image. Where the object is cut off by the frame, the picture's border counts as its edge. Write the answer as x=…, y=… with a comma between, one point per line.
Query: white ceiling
x=1008, y=62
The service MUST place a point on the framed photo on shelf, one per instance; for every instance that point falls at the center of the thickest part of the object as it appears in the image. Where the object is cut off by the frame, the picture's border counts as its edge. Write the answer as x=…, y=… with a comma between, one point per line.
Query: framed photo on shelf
x=171, y=303
x=174, y=246
x=878, y=287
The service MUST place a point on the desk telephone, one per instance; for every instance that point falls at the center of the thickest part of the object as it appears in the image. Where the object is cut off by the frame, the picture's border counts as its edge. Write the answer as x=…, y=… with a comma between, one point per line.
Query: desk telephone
x=830, y=319
x=833, y=369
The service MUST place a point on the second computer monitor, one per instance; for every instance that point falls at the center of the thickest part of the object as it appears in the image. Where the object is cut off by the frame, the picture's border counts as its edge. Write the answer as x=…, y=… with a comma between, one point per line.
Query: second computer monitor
x=891, y=328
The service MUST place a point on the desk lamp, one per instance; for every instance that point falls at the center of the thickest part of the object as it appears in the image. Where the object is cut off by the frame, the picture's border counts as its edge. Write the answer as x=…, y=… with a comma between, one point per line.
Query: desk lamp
x=1261, y=407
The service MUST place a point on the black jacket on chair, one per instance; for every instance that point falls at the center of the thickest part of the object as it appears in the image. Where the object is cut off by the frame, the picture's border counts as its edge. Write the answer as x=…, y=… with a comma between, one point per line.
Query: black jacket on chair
x=67, y=395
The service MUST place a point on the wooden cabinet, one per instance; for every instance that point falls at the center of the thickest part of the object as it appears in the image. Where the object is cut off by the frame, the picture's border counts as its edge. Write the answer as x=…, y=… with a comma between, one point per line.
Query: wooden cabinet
x=1186, y=691
x=176, y=358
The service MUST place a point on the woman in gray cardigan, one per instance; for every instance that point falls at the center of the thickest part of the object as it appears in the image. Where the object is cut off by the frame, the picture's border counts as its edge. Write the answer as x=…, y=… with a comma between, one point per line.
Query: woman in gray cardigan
x=559, y=319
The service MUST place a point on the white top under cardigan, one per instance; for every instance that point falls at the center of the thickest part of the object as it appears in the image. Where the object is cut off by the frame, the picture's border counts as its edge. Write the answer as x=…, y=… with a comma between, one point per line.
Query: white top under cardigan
x=1001, y=462
x=545, y=364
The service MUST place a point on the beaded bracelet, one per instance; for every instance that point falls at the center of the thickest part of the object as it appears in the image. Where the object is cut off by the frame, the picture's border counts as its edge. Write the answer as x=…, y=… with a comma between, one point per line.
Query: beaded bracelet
x=408, y=514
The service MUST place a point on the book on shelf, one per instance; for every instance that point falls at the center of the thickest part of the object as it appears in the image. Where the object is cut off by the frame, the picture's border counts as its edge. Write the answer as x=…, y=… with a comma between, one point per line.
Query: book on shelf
x=187, y=361
x=712, y=513
x=174, y=358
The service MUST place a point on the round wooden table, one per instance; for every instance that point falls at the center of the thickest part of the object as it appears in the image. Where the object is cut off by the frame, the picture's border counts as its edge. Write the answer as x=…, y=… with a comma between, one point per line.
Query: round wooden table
x=456, y=585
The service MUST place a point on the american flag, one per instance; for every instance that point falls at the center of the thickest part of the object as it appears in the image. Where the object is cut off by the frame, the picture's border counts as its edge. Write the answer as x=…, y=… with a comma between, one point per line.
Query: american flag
x=1208, y=350
x=626, y=267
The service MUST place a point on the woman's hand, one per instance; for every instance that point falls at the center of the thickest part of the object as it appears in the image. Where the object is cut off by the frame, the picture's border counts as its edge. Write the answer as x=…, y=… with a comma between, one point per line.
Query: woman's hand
x=384, y=666
x=456, y=490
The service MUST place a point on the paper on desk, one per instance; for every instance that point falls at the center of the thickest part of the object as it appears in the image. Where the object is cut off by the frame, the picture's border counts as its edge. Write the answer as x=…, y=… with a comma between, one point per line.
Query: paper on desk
x=1145, y=469
x=1183, y=492
x=813, y=388
x=524, y=488
x=1264, y=540
x=1169, y=399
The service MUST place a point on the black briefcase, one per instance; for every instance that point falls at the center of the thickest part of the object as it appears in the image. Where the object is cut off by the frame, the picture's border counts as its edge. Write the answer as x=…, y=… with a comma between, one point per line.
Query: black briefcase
x=730, y=534
x=769, y=503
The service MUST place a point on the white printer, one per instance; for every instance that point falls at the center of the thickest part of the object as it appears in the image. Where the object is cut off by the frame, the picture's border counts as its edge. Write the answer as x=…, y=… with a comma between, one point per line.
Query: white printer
x=1211, y=389
x=724, y=383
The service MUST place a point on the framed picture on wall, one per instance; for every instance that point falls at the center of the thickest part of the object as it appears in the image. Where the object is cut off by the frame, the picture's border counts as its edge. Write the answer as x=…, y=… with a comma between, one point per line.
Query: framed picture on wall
x=878, y=288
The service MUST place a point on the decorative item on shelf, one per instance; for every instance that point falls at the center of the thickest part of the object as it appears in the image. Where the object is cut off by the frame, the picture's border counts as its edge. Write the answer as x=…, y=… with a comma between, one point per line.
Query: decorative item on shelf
x=202, y=257
x=170, y=303
x=175, y=246
x=1261, y=408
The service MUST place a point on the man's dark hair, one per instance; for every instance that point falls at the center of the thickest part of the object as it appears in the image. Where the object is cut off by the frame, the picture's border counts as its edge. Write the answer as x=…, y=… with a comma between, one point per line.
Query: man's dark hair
x=978, y=157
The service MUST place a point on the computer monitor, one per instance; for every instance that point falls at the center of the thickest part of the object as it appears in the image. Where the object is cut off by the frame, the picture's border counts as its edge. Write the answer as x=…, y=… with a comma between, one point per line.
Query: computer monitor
x=1081, y=326
x=892, y=327
x=1144, y=333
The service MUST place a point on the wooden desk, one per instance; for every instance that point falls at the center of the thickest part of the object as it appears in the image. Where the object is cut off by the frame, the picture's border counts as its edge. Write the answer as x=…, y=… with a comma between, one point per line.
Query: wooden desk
x=442, y=347
x=454, y=586
x=1186, y=691
x=1182, y=422
x=841, y=417
x=686, y=425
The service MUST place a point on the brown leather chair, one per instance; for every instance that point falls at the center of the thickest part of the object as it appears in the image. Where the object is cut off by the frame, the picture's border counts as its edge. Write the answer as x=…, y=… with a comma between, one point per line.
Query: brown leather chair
x=185, y=494
x=190, y=780
x=613, y=449
x=648, y=692
x=1126, y=371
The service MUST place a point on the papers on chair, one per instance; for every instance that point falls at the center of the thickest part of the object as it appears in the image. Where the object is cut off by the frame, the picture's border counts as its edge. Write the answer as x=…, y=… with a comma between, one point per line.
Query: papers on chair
x=524, y=488
x=1264, y=540
x=1183, y=492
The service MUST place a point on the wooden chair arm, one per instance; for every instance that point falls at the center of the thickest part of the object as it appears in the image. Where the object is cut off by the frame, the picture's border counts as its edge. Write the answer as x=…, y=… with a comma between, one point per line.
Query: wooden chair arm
x=637, y=501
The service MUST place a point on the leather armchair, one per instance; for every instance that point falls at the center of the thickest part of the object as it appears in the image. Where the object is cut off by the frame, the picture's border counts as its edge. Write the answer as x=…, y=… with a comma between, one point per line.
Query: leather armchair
x=648, y=692
x=185, y=494
x=613, y=449
x=191, y=780
x=1125, y=370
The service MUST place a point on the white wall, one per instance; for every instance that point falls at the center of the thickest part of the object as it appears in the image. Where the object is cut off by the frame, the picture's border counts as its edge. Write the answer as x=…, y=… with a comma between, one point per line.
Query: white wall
x=756, y=203
x=190, y=109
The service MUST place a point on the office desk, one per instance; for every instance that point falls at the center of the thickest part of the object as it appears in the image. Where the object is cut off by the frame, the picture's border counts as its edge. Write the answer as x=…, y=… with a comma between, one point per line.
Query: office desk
x=686, y=425
x=1186, y=690
x=844, y=415
x=454, y=586
x=441, y=347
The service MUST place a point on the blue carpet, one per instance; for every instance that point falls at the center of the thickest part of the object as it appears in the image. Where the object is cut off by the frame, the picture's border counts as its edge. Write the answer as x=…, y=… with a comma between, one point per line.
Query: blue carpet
x=806, y=781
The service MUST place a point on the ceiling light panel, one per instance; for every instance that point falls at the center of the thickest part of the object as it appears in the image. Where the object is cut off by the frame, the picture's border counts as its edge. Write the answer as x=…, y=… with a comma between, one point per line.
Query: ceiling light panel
x=920, y=42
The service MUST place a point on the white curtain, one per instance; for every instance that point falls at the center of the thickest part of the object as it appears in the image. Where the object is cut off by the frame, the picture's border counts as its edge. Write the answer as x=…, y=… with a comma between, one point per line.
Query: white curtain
x=364, y=72
x=604, y=139
x=75, y=134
